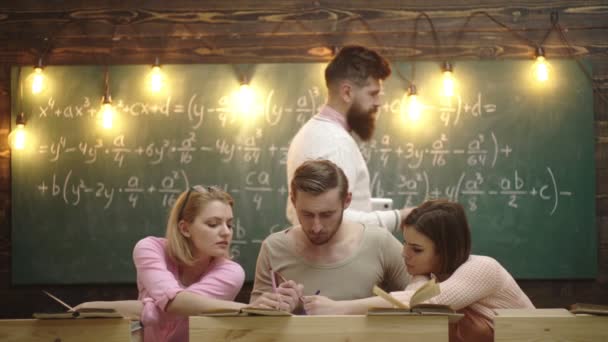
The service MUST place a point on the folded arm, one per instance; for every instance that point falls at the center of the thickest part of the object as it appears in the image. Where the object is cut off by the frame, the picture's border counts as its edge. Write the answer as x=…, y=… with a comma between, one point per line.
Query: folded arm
x=215, y=290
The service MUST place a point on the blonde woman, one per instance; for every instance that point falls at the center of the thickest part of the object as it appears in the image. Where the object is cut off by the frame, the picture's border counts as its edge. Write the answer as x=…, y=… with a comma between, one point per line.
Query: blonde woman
x=189, y=270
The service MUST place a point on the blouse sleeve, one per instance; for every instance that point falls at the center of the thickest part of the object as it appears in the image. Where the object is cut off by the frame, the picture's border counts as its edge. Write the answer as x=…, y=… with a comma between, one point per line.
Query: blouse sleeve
x=153, y=273
x=223, y=281
x=415, y=283
x=477, y=278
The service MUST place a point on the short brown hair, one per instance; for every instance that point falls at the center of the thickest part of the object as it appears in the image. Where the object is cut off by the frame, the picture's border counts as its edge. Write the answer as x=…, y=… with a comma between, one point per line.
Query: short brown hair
x=356, y=63
x=187, y=207
x=444, y=223
x=319, y=176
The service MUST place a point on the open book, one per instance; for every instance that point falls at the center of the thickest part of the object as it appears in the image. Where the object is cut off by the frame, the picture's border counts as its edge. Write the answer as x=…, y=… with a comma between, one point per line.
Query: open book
x=82, y=313
x=427, y=291
x=592, y=309
x=246, y=311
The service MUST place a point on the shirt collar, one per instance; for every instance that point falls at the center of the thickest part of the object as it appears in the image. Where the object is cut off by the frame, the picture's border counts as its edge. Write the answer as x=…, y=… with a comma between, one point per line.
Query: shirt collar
x=329, y=114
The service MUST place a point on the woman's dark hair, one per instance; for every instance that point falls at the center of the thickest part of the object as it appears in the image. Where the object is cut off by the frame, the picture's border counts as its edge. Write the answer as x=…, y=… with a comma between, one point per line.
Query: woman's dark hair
x=444, y=223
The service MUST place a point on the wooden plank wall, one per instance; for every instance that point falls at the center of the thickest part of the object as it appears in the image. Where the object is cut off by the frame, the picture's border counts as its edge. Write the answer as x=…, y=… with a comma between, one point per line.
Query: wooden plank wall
x=250, y=31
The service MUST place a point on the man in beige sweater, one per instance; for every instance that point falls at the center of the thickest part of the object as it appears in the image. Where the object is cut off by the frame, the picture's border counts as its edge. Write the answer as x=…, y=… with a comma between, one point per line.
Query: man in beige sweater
x=324, y=254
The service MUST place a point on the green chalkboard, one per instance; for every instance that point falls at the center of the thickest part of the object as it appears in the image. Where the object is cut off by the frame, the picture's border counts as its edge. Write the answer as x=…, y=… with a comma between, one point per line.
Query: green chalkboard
x=517, y=155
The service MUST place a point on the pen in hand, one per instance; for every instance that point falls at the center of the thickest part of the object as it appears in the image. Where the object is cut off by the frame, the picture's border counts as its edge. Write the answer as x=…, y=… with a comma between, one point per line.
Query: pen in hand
x=282, y=279
x=274, y=287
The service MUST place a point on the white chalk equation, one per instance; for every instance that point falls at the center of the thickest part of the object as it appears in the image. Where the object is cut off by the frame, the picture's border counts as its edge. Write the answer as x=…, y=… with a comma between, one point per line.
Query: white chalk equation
x=257, y=158
x=467, y=189
x=482, y=150
x=248, y=150
x=451, y=111
x=193, y=110
x=73, y=188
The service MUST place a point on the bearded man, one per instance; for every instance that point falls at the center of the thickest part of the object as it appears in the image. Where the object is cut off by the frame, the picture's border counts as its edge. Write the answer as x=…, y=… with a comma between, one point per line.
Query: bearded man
x=354, y=80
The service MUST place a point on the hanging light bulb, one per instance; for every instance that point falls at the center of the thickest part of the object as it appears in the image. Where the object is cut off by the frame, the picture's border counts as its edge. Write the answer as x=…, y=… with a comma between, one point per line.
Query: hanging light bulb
x=447, y=88
x=17, y=139
x=412, y=107
x=156, y=77
x=541, y=68
x=38, y=78
x=106, y=114
x=245, y=97
x=245, y=93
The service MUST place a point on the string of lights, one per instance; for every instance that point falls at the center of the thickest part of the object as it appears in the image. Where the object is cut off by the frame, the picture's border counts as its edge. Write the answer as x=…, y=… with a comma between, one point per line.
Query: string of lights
x=411, y=106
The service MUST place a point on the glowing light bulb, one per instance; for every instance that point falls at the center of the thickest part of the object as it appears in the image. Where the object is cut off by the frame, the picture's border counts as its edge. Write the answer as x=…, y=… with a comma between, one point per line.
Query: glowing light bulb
x=17, y=139
x=107, y=113
x=541, y=69
x=245, y=93
x=156, y=79
x=414, y=108
x=410, y=105
x=38, y=80
x=448, y=82
x=245, y=99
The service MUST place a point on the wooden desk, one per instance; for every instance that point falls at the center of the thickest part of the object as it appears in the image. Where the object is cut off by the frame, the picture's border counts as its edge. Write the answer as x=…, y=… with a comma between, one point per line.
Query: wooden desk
x=65, y=330
x=557, y=328
x=319, y=328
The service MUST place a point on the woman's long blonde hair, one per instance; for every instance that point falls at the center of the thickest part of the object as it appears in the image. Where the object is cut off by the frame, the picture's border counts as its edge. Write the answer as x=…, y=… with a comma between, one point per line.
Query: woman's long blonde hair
x=188, y=206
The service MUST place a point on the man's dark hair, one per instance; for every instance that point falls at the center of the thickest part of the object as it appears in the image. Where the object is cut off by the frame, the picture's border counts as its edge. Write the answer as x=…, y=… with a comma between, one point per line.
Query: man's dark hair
x=356, y=64
x=319, y=176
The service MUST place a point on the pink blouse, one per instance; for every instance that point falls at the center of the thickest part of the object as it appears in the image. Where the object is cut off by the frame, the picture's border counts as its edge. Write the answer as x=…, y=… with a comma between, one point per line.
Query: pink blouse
x=158, y=283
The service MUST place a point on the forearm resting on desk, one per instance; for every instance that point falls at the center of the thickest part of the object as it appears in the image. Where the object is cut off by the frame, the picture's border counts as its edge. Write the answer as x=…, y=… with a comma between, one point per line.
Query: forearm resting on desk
x=187, y=303
x=320, y=305
x=130, y=309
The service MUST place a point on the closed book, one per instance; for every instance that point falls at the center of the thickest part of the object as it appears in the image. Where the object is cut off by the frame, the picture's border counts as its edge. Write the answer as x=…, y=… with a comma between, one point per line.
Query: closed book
x=254, y=311
x=82, y=313
x=419, y=310
x=246, y=311
x=591, y=309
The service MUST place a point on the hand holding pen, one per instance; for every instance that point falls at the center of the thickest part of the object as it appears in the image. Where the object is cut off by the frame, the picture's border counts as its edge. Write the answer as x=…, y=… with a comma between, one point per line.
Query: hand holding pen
x=321, y=305
x=284, y=296
x=274, y=288
x=287, y=288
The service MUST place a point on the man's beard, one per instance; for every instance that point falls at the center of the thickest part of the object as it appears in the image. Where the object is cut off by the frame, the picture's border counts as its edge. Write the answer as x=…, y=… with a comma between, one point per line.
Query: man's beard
x=319, y=242
x=361, y=121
